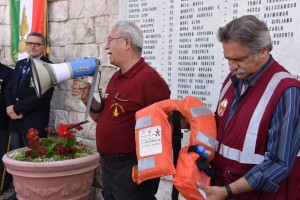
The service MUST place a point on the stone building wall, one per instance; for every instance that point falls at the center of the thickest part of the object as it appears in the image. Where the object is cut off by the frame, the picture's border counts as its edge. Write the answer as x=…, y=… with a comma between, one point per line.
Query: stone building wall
x=76, y=29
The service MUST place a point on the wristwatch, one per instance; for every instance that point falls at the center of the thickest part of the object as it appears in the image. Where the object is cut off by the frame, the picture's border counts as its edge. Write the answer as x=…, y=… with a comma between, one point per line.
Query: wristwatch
x=230, y=195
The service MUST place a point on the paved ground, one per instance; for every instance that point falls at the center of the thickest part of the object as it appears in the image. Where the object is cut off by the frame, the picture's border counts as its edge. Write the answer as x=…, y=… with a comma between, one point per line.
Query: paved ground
x=6, y=194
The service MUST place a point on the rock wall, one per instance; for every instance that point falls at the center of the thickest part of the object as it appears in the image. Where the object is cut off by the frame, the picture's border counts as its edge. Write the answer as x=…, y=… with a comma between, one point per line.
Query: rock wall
x=76, y=29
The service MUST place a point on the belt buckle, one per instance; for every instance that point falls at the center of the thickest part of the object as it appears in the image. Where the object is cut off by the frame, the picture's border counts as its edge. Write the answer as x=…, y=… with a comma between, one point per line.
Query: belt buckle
x=122, y=157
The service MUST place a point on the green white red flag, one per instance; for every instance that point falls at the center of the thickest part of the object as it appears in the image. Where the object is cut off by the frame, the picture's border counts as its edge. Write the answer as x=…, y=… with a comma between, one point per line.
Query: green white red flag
x=26, y=16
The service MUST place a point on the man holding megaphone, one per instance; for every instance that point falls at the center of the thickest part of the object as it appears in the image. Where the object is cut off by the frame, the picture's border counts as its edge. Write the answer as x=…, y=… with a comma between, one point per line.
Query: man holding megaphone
x=135, y=86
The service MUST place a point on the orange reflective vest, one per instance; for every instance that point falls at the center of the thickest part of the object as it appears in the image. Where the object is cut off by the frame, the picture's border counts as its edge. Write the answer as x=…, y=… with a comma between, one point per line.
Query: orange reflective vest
x=153, y=136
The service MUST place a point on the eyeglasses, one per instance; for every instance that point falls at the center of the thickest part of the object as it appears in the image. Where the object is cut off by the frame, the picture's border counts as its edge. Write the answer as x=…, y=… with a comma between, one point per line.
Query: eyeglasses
x=34, y=44
x=109, y=39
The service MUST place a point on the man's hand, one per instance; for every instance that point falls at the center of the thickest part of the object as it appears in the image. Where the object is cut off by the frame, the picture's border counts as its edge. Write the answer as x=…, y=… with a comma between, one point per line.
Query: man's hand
x=213, y=192
x=11, y=113
x=10, y=109
x=15, y=116
x=77, y=87
x=239, y=186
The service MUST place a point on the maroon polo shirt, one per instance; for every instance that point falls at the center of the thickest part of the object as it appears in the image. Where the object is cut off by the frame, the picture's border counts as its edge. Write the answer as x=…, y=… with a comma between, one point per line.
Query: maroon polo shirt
x=127, y=93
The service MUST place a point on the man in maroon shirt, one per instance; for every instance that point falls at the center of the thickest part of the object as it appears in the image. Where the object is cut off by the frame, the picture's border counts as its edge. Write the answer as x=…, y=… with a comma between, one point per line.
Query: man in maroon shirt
x=135, y=86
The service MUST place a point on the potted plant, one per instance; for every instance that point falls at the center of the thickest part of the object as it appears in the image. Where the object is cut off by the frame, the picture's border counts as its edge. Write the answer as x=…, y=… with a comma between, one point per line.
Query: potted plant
x=50, y=169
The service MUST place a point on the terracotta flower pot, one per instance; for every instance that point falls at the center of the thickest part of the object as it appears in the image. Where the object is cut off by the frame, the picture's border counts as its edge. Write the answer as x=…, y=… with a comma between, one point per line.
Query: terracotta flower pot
x=69, y=179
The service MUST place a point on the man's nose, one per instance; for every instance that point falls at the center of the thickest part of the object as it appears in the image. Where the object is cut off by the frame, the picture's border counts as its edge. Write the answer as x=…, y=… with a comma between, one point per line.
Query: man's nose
x=106, y=46
x=232, y=65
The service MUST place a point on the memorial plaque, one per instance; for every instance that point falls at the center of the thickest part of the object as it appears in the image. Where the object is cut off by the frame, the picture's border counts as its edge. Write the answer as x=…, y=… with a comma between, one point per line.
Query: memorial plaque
x=180, y=39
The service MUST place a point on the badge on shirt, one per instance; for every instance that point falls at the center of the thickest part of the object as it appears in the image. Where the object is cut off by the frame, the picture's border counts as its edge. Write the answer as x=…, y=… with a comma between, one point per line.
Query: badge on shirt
x=222, y=107
x=31, y=82
x=116, y=109
x=105, y=95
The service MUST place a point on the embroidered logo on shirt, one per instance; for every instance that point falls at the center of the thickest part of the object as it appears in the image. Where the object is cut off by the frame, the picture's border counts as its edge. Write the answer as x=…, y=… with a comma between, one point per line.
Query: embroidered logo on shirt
x=117, y=109
x=222, y=107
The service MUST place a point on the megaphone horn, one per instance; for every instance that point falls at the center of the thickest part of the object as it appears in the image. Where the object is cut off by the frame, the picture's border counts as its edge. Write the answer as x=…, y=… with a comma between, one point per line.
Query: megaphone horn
x=46, y=75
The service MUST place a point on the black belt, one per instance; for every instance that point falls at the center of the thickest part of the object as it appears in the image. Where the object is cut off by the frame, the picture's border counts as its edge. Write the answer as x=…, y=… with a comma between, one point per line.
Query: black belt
x=118, y=157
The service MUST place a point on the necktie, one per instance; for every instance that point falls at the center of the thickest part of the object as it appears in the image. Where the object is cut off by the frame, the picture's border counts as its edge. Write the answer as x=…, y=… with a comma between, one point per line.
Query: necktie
x=24, y=72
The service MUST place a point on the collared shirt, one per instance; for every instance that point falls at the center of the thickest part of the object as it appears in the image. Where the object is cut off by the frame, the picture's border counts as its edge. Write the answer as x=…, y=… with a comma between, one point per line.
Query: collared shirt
x=238, y=87
x=283, y=137
x=127, y=93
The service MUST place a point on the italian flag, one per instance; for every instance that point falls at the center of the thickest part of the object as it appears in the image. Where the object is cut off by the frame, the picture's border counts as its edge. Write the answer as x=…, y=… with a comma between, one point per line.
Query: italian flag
x=26, y=16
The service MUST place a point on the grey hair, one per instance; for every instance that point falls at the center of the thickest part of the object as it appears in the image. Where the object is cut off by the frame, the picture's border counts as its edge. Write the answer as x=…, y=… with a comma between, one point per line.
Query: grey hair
x=40, y=35
x=249, y=31
x=129, y=29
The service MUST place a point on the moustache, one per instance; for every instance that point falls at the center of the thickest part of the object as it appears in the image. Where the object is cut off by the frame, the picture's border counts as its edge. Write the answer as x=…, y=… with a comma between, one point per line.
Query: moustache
x=239, y=71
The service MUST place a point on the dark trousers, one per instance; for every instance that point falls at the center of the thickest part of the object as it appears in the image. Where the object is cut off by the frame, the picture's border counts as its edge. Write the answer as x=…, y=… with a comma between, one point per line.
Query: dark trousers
x=118, y=184
x=4, y=136
x=18, y=140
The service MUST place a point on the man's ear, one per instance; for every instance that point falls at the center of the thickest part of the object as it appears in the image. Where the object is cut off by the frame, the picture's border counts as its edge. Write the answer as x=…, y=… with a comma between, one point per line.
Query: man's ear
x=264, y=53
x=128, y=42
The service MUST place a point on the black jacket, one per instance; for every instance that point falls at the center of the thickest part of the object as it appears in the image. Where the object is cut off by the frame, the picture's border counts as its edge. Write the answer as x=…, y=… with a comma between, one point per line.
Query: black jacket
x=5, y=75
x=35, y=110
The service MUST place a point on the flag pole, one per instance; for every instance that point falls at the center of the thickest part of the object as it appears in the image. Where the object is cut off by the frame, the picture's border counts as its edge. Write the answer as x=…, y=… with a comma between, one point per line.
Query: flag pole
x=4, y=167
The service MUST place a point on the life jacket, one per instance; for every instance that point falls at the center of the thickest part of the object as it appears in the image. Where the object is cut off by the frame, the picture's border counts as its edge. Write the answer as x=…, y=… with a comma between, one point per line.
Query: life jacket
x=153, y=136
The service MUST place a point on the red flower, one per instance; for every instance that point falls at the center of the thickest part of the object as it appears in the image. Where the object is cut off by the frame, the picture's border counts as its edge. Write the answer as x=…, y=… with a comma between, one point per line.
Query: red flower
x=29, y=153
x=34, y=144
x=41, y=151
x=47, y=147
x=63, y=130
x=49, y=129
x=32, y=134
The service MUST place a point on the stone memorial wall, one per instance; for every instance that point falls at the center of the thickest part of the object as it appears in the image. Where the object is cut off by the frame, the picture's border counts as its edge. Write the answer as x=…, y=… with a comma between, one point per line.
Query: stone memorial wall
x=181, y=43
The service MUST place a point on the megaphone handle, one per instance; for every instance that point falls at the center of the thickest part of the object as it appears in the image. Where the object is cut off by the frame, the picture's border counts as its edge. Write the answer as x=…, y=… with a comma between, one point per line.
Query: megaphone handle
x=101, y=103
x=91, y=94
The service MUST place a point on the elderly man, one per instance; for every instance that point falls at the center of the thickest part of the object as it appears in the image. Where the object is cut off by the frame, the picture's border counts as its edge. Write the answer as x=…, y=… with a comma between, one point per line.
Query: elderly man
x=135, y=86
x=257, y=119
